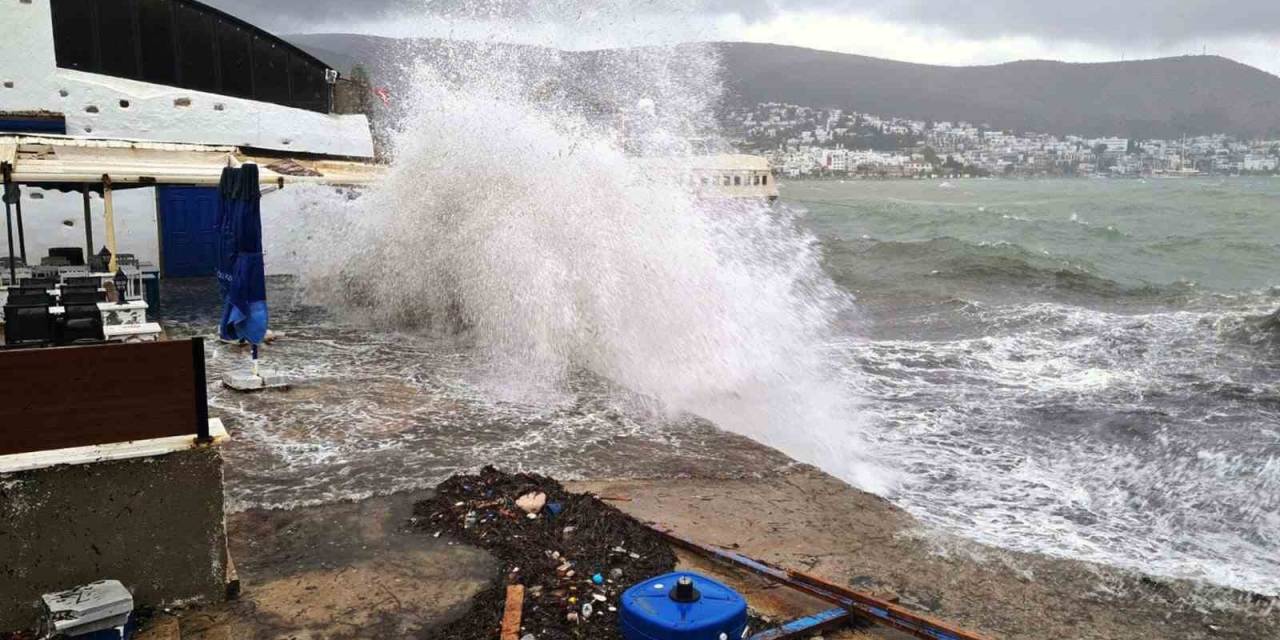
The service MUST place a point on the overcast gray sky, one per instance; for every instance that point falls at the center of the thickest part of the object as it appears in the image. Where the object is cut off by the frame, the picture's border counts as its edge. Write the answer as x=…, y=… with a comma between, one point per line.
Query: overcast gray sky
x=930, y=31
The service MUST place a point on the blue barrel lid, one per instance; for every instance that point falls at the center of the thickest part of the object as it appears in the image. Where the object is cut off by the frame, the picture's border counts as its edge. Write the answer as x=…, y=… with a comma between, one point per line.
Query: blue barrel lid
x=649, y=611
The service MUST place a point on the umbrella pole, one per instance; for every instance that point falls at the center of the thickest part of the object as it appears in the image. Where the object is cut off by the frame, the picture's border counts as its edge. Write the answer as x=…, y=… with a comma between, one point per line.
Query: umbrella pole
x=111, y=223
x=255, y=360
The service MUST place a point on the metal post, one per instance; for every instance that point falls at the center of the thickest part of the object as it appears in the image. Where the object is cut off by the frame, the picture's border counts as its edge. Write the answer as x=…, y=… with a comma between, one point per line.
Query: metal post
x=8, y=223
x=202, y=392
x=88, y=226
x=22, y=233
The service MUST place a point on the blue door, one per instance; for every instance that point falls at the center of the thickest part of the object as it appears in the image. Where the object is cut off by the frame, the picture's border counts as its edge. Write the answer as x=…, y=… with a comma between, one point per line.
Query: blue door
x=189, y=224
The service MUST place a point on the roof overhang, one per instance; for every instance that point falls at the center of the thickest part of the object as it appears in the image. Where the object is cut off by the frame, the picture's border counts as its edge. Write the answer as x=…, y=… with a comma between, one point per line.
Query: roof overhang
x=70, y=162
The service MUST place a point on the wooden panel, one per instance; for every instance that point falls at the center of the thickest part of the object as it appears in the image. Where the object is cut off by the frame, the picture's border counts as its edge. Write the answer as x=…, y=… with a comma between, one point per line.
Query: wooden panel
x=79, y=396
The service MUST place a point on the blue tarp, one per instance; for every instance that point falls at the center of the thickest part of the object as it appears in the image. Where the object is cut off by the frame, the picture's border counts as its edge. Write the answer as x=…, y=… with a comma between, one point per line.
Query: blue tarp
x=241, y=276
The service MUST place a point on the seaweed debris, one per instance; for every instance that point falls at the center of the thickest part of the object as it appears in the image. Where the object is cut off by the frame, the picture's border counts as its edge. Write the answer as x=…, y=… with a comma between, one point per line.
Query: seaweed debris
x=574, y=554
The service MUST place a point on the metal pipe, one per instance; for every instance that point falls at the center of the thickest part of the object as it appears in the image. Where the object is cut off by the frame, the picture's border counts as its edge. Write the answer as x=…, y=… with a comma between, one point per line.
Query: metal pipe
x=22, y=232
x=88, y=226
x=868, y=606
x=807, y=626
x=7, y=170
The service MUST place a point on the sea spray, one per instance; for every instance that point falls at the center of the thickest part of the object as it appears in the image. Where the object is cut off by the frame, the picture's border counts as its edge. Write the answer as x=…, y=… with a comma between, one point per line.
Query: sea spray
x=540, y=231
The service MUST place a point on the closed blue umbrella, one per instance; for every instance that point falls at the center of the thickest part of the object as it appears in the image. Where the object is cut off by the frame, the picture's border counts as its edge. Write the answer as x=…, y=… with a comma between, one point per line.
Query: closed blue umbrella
x=241, y=275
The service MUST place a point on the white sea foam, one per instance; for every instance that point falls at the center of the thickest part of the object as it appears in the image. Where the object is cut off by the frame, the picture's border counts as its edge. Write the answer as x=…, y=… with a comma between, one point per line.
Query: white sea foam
x=541, y=234
x=1125, y=474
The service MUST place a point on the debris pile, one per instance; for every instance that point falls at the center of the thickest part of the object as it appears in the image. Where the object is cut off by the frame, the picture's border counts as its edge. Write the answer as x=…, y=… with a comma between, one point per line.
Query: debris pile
x=574, y=554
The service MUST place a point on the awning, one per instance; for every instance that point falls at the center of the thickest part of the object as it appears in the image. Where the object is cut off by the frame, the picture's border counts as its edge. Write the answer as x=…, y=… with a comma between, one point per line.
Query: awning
x=62, y=161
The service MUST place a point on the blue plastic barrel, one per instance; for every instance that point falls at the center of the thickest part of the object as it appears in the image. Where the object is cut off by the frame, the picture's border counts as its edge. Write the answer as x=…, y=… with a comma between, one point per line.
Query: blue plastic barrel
x=682, y=606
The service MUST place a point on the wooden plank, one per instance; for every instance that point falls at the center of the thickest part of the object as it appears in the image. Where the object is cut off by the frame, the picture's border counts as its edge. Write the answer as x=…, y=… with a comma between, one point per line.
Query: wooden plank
x=511, y=616
x=71, y=397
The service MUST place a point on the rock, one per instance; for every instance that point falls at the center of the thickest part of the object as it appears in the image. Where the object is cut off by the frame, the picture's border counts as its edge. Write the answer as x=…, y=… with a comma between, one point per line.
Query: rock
x=532, y=502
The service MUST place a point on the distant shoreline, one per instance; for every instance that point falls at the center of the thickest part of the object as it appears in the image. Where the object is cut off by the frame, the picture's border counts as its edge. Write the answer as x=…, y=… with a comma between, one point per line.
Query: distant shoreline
x=783, y=179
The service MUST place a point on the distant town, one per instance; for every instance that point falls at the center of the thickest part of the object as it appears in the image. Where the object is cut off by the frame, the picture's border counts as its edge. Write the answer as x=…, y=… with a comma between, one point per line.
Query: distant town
x=802, y=141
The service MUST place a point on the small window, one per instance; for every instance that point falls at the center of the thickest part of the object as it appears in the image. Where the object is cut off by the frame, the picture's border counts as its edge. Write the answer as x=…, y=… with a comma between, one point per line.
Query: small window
x=755, y=180
x=234, y=60
x=764, y=180
x=73, y=34
x=196, y=62
x=119, y=50
x=155, y=27
x=737, y=181
x=727, y=181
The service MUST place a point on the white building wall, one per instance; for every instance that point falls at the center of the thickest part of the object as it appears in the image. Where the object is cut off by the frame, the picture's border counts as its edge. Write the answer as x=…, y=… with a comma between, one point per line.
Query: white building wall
x=31, y=81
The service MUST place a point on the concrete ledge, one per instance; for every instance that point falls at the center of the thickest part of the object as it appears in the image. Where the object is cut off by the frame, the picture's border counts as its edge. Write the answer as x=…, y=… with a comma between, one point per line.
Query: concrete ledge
x=108, y=452
x=149, y=514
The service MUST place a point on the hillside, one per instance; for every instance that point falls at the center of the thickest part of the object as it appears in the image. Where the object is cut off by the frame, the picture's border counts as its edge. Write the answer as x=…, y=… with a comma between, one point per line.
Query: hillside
x=1152, y=98
x=1167, y=97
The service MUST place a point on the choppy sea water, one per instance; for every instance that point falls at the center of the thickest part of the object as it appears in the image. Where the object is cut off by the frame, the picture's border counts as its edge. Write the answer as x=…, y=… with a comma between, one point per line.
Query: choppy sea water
x=1078, y=368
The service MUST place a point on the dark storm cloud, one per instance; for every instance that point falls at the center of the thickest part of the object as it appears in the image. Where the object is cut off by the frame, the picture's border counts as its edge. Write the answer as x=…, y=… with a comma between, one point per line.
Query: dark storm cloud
x=1114, y=22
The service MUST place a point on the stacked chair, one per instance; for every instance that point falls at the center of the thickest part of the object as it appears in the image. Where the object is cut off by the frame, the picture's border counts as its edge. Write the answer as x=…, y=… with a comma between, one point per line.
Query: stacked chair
x=81, y=323
x=28, y=322
x=82, y=295
x=74, y=256
x=82, y=281
x=81, y=320
x=45, y=283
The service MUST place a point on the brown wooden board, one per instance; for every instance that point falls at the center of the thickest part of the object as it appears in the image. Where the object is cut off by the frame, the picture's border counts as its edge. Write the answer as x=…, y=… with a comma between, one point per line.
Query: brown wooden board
x=78, y=396
x=512, y=613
